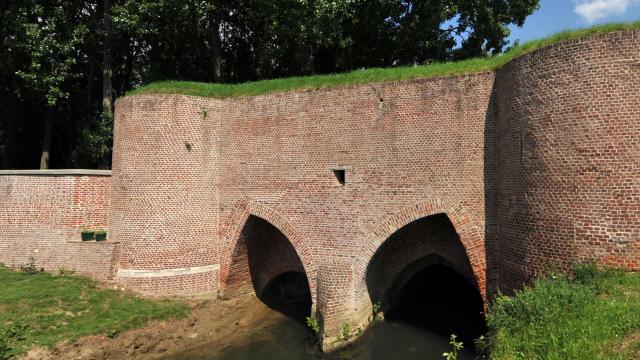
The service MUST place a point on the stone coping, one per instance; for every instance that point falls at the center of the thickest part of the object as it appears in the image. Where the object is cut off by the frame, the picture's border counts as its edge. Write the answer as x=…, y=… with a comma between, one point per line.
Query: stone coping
x=57, y=172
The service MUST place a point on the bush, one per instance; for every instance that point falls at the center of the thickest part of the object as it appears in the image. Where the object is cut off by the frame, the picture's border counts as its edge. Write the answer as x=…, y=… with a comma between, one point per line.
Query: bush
x=30, y=267
x=9, y=335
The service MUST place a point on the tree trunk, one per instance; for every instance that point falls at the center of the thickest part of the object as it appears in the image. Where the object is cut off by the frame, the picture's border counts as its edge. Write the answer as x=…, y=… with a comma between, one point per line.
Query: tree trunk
x=107, y=60
x=46, y=141
x=215, y=47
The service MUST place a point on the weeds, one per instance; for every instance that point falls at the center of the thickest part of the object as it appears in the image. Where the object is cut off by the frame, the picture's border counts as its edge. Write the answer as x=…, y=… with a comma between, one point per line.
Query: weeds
x=29, y=268
x=586, y=316
x=346, y=331
x=457, y=346
x=376, y=309
x=10, y=335
x=313, y=325
x=66, y=272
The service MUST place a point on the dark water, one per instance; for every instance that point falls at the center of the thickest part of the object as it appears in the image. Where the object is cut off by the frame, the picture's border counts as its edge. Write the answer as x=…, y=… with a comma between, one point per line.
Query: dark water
x=285, y=338
x=433, y=304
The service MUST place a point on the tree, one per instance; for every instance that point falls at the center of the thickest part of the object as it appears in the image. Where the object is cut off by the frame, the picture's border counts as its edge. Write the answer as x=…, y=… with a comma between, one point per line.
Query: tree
x=62, y=62
x=50, y=41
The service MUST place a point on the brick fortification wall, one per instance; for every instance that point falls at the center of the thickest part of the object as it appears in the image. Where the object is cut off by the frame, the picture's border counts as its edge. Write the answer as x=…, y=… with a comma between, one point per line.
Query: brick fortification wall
x=410, y=150
x=164, y=203
x=41, y=215
x=569, y=156
x=534, y=166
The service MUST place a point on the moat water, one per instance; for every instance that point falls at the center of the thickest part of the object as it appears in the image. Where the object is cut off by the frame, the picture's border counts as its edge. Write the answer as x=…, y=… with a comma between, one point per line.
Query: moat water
x=285, y=338
x=433, y=304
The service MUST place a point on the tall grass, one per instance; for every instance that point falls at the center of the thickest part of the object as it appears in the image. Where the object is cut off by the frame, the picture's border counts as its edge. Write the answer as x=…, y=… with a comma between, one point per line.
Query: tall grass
x=595, y=315
x=476, y=65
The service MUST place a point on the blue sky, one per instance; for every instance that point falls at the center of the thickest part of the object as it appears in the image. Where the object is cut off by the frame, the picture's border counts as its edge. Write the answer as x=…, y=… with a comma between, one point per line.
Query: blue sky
x=557, y=15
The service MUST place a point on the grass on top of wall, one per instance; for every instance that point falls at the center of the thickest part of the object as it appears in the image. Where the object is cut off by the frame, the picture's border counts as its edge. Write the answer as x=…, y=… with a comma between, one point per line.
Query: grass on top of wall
x=40, y=309
x=596, y=315
x=476, y=65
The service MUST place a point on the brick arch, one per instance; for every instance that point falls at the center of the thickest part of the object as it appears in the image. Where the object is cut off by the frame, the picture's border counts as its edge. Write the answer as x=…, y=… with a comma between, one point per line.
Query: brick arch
x=470, y=234
x=232, y=230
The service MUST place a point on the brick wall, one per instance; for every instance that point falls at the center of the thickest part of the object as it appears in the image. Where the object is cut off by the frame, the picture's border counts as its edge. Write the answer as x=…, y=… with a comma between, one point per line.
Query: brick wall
x=164, y=205
x=569, y=157
x=535, y=165
x=42, y=213
x=410, y=150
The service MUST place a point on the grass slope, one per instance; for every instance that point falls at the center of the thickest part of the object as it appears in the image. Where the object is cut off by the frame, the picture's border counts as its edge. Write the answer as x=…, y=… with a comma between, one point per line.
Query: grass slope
x=42, y=309
x=594, y=316
x=476, y=65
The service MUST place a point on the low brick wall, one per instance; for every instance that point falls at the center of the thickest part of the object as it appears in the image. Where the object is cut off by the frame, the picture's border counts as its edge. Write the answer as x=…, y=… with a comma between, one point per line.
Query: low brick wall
x=42, y=213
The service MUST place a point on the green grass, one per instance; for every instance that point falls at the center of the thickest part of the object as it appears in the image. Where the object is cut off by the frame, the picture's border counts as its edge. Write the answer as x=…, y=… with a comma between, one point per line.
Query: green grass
x=594, y=316
x=42, y=310
x=372, y=75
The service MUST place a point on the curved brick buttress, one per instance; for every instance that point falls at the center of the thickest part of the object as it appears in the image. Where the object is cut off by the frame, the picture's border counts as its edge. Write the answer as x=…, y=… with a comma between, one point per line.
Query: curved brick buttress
x=164, y=204
x=569, y=157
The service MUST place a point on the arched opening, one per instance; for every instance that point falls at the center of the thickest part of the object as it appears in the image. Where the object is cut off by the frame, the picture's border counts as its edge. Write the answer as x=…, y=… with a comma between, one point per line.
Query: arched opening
x=267, y=265
x=421, y=275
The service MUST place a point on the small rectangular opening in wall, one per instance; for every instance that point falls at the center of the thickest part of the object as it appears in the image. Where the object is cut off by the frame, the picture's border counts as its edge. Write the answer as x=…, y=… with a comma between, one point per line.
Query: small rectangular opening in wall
x=341, y=175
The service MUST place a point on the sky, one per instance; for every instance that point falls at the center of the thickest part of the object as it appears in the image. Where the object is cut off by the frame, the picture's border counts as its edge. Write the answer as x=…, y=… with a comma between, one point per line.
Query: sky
x=557, y=15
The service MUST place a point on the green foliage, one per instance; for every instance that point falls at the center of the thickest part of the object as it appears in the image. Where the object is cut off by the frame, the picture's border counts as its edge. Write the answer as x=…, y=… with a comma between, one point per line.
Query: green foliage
x=10, y=334
x=52, y=54
x=346, y=331
x=475, y=65
x=375, y=311
x=29, y=268
x=65, y=272
x=457, y=346
x=42, y=310
x=589, y=317
x=51, y=36
x=313, y=325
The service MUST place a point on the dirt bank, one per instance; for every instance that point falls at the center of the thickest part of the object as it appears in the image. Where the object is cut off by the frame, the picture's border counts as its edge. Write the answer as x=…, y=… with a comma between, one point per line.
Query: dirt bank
x=223, y=322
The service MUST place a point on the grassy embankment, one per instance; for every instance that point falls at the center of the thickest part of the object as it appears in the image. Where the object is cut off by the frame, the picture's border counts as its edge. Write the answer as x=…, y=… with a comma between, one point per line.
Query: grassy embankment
x=596, y=315
x=40, y=309
x=373, y=75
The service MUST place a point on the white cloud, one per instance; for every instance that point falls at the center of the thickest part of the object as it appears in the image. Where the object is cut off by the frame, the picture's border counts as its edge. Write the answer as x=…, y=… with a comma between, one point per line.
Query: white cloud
x=593, y=10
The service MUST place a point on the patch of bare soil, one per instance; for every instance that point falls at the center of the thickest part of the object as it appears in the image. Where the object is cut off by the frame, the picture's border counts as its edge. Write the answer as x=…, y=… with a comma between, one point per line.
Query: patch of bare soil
x=220, y=321
x=631, y=345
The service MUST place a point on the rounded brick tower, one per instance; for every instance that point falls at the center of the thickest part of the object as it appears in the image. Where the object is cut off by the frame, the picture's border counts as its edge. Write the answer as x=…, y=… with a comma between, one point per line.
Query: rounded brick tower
x=568, y=134
x=164, y=204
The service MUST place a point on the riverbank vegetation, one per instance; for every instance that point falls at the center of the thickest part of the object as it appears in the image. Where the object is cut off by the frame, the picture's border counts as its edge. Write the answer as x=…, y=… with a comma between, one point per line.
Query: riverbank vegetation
x=593, y=315
x=41, y=309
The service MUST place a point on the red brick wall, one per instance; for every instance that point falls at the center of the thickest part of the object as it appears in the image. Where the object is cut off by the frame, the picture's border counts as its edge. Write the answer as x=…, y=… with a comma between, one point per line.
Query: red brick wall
x=569, y=156
x=164, y=205
x=41, y=216
x=536, y=163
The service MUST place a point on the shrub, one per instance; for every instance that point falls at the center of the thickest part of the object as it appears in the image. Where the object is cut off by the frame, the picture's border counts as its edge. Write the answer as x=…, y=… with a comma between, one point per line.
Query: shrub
x=30, y=267
x=9, y=335
x=313, y=325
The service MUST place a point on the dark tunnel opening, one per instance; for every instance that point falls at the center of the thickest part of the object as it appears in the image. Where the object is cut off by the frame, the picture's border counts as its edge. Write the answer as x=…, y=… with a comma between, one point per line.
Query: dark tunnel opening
x=442, y=301
x=267, y=262
x=289, y=294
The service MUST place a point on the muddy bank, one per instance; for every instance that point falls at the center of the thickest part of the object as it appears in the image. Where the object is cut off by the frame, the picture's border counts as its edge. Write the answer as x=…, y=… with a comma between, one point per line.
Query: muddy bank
x=211, y=320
